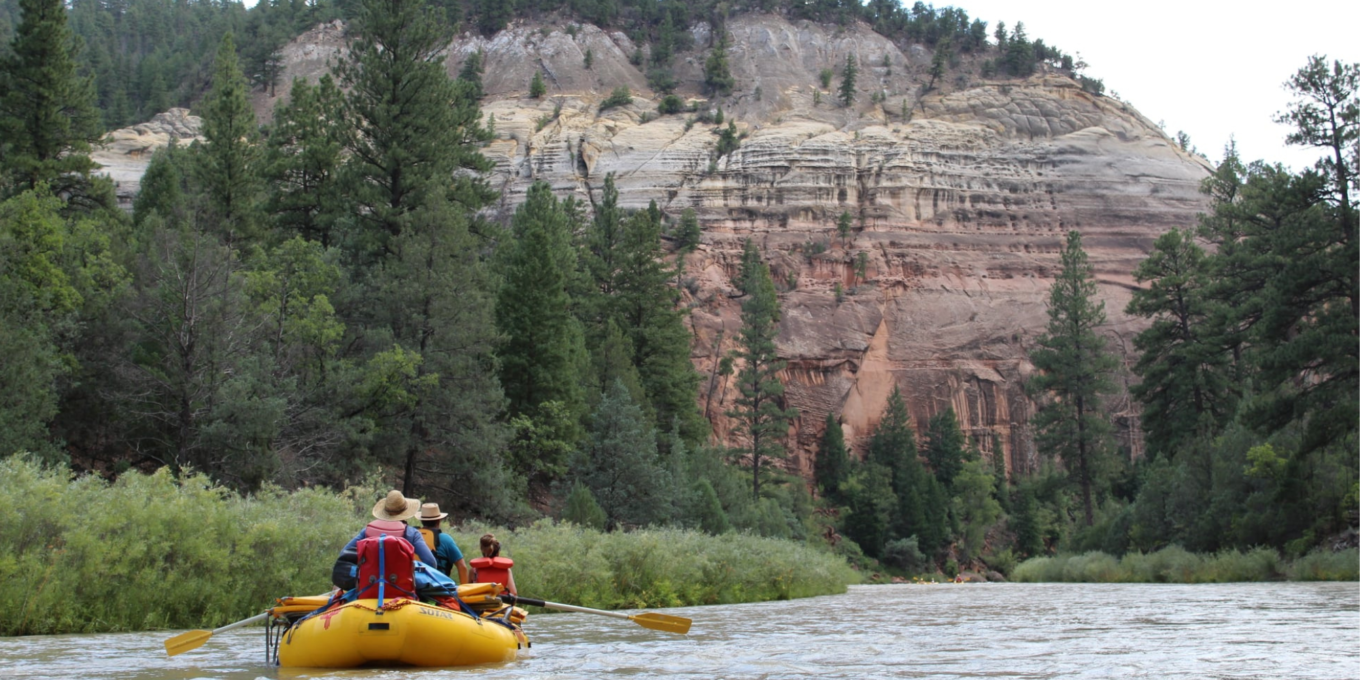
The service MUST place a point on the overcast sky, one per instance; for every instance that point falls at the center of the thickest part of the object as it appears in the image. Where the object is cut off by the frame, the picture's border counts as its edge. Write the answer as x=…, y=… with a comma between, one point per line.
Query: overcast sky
x=1212, y=69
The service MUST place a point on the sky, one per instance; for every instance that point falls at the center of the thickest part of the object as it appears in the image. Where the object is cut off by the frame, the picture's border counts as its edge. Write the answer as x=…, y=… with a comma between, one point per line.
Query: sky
x=1212, y=69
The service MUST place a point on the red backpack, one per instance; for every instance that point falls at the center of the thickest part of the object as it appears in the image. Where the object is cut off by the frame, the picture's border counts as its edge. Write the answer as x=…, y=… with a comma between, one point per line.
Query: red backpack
x=385, y=568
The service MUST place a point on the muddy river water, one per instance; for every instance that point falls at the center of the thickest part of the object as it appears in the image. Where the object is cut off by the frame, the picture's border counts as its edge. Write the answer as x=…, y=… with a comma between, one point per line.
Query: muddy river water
x=1255, y=630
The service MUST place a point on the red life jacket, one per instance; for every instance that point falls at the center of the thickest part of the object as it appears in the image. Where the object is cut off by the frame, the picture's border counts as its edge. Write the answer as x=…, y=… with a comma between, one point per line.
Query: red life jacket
x=493, y=570
x=386, y=568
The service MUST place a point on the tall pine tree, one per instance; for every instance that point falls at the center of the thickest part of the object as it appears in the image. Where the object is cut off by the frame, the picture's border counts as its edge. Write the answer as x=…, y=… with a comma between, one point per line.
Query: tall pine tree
x=47, y=115
x=1074, y=373
x=228, y=159
x=758, y=409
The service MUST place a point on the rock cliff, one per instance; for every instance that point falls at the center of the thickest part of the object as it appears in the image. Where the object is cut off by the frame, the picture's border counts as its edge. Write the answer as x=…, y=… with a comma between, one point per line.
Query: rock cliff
x=961, y=197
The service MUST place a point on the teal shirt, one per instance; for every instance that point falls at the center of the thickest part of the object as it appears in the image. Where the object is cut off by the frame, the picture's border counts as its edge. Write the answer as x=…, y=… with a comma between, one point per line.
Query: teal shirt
x=446, y=552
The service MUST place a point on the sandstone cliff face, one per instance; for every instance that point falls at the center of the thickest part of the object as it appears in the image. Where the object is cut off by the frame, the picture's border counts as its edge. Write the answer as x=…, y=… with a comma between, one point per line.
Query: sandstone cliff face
x=960, y=207
x=125, y=153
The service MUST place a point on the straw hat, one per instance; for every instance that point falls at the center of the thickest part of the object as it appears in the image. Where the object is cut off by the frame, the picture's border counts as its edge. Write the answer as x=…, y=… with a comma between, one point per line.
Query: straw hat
x=430, y=512
x=396, y=506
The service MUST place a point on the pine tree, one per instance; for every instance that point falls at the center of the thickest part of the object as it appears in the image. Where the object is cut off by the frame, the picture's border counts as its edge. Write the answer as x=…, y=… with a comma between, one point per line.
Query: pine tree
x=757, y=410
x=848, y=75
x=945, y=446
x=843, y=225
x=1185, y=388
x=938, y=63
x=689, y=234
x=620, y=462
x=412, y=126
x=718, y=78
x=47, y=117
x=581, y=509
x=303, y=160
x=536, y=87
x=1074, y=371
x=471, y=73
x=832, y=465
x=228, y=159
x=542, y=350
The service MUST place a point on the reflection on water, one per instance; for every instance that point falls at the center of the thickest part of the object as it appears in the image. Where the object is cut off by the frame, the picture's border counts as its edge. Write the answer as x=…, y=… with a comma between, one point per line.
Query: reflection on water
x=1257, y=630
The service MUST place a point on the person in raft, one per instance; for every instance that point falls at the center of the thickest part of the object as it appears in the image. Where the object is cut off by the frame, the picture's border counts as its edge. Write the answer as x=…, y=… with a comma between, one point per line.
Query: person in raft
x=446, y=552
x=491, y=567
x=391, y=514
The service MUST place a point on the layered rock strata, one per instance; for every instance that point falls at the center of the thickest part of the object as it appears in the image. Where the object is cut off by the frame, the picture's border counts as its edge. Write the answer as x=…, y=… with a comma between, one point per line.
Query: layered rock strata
x=961, y=197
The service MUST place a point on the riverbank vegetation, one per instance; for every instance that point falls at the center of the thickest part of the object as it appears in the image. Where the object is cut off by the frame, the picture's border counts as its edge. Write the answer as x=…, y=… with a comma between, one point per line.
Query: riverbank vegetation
x=1177, y=565
x=83, y=555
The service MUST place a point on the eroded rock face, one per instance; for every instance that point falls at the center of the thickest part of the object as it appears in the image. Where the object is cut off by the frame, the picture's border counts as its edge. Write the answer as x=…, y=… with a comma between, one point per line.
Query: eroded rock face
x=960, y=206
x=125, y=153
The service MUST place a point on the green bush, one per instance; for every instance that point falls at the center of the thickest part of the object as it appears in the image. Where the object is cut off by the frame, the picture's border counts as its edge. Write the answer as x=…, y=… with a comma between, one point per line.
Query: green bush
x=157, y=551
x=670, y=104
x=621, y=96
x=1177, y=565
x=660, y=567
x=83, y=555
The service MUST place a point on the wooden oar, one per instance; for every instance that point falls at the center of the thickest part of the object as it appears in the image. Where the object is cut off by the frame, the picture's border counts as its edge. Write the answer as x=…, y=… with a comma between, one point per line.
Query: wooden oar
x=195, y=638
x=663, y=622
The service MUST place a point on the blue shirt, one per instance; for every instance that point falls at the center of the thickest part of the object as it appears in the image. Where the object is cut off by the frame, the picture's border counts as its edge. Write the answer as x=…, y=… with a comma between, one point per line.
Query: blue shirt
x=412, y=536
x=447, y=553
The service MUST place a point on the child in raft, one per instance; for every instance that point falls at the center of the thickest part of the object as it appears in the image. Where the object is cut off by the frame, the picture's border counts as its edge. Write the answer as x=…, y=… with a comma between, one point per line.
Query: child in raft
x=491, y=567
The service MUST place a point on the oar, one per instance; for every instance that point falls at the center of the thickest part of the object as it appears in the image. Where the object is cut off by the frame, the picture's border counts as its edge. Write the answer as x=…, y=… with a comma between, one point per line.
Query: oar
x=195, y=638
x=664, y=622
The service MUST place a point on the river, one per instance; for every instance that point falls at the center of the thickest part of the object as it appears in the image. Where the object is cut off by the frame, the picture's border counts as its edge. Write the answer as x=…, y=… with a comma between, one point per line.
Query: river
x=1252, y=630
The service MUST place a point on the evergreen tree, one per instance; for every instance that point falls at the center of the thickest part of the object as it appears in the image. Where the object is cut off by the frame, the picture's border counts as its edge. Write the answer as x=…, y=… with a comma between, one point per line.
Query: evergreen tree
x=163, y=190
x=718, y=78
x=37, y=298
x=832, y=465
x=428, y=323
x=1073, y=373
x=938, y=63
x=945, y=446
x=1309, y=357
x=848, y=75
x=47, y=116
x=471, y=73
x=620, y=463
x=870, y=499
x=975, y=507
x=708, y=513
x=688, y=235
x=1028, y=537
x=412, y=126
x=536, y=87
x=757, y=410
x=227, y=161
x=542, y=349
x=303, y=160
x=581, y=508
x=1185, y=388
x=843, y=225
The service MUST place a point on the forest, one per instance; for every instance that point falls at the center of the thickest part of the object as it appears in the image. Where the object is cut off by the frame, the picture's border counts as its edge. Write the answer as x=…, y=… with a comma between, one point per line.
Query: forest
x=322, y=301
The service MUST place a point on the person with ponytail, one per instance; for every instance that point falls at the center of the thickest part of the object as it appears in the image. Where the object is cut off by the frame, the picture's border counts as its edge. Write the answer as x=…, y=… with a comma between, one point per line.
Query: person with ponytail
x=491, y=567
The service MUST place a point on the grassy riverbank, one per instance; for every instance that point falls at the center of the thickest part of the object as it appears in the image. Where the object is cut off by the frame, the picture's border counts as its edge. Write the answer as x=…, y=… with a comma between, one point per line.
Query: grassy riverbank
x=1176, y=565
x=81, y=555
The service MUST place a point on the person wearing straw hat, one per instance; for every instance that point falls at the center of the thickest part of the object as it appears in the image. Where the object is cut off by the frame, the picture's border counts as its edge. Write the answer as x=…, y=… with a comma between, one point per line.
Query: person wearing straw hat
x=392, y=513
x=446, y=552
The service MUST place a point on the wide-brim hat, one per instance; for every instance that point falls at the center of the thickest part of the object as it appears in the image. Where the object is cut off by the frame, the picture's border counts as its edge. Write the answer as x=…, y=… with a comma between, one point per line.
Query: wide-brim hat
x=396, y=506
x=429, y=512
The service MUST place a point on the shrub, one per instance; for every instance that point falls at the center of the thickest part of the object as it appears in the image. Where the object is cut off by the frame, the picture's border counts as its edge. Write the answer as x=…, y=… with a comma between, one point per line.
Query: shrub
x=621, y=96
x=1177, y=565
x=660, y=567
x=904, y=554
x=670, y=104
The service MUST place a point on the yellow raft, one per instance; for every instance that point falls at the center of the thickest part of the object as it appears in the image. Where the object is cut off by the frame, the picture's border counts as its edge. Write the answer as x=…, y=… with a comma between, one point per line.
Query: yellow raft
x=401, y=633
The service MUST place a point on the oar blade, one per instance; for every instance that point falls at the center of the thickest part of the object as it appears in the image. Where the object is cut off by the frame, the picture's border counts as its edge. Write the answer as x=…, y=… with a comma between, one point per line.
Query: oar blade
x=663, y=622
x=186, y=641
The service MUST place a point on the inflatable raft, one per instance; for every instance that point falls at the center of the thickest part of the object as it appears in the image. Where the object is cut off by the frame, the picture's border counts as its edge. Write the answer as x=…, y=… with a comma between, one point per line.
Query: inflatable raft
x=401, y=632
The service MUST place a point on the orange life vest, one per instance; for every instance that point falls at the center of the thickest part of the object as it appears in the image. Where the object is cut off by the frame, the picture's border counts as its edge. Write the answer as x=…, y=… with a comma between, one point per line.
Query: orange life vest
x=492, y=570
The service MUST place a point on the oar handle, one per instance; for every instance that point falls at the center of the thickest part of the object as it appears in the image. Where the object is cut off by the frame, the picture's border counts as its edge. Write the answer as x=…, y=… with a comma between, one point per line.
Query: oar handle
x=516, y=599
x=243, y=622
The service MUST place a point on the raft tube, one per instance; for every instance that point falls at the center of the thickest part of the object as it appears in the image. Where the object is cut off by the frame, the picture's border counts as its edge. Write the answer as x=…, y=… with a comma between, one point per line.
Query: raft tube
x=402, y=633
